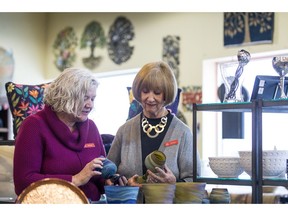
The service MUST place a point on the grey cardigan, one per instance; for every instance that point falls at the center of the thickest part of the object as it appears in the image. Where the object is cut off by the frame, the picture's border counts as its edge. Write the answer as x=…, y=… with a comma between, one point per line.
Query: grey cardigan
x=125, y=151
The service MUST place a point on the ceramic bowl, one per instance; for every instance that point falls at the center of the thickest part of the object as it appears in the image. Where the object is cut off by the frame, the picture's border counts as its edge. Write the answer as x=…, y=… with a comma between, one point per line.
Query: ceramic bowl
x=274, y=162
x=219, y=196
x=158, y=193
x=189, y=192
x=226, y=167
x=269, y=189
x=121, y=194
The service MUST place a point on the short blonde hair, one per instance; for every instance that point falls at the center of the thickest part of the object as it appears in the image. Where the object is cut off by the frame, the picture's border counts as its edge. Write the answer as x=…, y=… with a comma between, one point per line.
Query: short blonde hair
x=156, y=76
x=67, y=92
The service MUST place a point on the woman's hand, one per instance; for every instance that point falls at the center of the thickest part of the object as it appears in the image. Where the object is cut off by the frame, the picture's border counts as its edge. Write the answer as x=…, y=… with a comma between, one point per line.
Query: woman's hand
x=88, y=171
x=164, y=175
x=122, y=181
x=133, y=181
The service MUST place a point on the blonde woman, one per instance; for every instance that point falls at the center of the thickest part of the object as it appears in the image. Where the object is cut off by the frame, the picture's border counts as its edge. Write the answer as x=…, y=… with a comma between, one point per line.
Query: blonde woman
x=60, y=141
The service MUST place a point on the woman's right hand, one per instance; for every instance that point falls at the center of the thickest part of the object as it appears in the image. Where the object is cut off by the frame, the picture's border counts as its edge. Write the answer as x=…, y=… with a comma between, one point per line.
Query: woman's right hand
x=121, y=181
x=88, y=172
x=133, y=181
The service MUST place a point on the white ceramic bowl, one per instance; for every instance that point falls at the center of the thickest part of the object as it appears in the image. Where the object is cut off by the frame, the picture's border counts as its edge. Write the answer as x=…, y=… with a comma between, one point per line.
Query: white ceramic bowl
x=274, y=162
x=226, y=167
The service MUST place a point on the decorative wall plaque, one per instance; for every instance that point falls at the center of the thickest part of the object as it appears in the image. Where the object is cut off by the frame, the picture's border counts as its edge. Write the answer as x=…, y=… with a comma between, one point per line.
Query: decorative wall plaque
x=171, y=53
x=64, y=48
x=190, y=95
x=120, y=34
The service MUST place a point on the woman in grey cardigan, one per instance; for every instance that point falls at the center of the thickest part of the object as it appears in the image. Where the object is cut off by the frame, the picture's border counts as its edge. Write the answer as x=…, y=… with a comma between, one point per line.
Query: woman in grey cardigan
x=155, y=128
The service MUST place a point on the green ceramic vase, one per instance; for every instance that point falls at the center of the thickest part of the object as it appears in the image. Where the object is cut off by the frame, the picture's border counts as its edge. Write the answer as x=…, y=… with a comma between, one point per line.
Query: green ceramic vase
x=220, y=196
x=154, y=159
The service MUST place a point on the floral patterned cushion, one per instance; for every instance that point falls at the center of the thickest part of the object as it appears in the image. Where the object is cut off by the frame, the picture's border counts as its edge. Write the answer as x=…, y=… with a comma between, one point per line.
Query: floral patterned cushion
x=24, y=100
x=135, y=106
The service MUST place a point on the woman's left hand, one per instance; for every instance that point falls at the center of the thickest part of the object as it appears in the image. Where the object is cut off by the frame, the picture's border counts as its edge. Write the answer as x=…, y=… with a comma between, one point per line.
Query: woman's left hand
x=164, y=175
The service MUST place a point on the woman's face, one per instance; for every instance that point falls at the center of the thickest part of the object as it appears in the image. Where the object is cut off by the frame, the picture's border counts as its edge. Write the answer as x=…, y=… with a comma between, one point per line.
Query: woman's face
x=88, y=104
x=152, y=102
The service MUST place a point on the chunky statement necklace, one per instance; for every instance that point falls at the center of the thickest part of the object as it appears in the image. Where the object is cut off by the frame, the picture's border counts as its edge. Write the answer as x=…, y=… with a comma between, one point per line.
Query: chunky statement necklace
x=159, y=128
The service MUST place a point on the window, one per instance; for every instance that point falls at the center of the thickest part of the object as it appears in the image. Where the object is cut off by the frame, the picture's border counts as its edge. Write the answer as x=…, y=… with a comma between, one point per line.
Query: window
x=112, y=100
x=273, y=132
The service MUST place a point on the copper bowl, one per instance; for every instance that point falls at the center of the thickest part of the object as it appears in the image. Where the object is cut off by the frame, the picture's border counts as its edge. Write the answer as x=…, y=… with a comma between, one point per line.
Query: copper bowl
x=52, y=191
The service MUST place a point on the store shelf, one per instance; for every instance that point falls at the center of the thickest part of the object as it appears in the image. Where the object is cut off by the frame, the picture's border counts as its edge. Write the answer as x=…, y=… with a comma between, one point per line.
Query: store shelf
x=256, y=108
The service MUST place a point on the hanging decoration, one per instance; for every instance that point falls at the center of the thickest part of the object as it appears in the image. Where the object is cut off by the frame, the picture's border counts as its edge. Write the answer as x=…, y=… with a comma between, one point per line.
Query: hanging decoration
x=171, y=50
x=190, y=95
x=92, y=37
x=120, y=34
x=171, y=53
x=248, y=28
x=64, y=48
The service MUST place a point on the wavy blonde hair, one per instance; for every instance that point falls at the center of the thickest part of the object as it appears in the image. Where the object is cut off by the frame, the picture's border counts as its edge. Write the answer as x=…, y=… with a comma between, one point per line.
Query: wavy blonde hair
x=67, y=92
x=156, y=76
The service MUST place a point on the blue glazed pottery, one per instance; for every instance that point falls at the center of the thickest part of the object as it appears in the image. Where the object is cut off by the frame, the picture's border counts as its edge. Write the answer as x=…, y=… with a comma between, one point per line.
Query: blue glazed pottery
x=109, y=169
x=121, y=194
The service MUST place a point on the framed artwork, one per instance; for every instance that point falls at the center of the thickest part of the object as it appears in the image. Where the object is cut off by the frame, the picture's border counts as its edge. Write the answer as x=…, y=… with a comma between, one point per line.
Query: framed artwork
x=243, y=28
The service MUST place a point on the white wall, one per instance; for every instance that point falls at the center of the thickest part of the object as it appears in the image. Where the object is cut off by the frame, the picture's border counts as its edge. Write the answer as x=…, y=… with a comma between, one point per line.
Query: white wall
x=25, y=35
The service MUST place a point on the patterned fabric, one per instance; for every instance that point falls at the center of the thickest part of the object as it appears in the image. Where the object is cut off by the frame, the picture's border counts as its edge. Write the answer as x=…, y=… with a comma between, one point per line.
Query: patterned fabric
x=135, y=106
x=24, y=100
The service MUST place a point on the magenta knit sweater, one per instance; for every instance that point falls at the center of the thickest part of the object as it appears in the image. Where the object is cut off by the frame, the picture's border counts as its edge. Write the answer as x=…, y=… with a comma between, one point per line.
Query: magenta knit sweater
x=45, y=148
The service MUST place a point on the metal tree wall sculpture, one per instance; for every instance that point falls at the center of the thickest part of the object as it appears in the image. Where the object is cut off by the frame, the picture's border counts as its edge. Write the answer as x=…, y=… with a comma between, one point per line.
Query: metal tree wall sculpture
x=92, y=37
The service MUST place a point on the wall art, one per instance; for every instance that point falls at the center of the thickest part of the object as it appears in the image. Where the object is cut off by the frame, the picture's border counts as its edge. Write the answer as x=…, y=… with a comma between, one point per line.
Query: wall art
x=248, y=28
x=171, y=51
x=64, y=48
x=190, y=95
x=93, y=37
x=120, y=34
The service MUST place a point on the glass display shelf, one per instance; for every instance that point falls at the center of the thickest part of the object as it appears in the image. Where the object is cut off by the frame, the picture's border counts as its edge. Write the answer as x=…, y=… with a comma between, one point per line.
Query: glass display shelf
x=225, y=181
x=276, y=182
x=227, y=107
x=256, y=108
x=269, y=106
x=274, y=106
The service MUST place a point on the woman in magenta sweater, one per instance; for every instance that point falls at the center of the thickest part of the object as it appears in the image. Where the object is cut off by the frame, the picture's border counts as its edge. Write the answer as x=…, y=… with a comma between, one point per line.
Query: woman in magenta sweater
x=60, y=141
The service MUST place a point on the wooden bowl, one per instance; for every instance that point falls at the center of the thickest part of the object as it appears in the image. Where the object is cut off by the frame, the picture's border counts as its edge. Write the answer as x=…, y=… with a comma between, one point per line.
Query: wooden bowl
x=52, y=191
